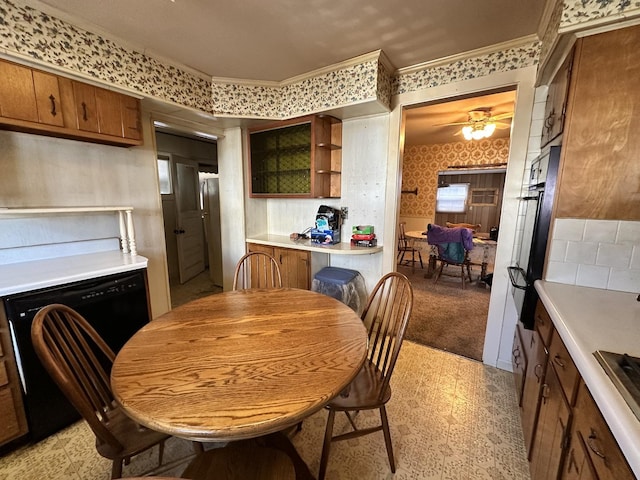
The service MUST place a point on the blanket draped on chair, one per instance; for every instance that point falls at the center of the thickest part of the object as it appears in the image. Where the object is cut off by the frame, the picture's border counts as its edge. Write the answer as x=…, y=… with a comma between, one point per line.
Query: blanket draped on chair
x=452, y=242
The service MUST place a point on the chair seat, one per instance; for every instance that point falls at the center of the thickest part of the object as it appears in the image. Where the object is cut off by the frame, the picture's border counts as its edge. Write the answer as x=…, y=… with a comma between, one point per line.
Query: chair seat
x=364, y=392
x=134, y=437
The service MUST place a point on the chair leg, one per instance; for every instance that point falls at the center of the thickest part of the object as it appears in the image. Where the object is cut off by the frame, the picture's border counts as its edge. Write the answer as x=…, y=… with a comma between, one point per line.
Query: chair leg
x=327, y=445
x=116, y=468
x=387, y=437
x=160, y=452
x=420, y=257
x=462, y=276
x=439, y=272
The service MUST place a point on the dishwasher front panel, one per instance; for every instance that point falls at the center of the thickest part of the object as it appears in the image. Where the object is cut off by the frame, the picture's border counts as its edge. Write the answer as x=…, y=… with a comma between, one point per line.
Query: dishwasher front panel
x=115, y=305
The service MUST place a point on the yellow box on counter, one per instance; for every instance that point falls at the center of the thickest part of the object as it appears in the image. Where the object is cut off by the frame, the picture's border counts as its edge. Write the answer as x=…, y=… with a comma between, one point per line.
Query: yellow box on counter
x=362, y=230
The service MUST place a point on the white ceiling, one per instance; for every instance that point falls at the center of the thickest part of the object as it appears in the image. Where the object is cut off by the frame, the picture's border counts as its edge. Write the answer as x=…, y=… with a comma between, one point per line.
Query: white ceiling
x=279, y=39
x=275, y=40
x=426, y=125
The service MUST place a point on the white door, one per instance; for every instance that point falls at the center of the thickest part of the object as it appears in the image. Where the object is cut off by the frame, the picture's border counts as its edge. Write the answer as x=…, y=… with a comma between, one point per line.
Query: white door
x=189, y=230
x=210, y=193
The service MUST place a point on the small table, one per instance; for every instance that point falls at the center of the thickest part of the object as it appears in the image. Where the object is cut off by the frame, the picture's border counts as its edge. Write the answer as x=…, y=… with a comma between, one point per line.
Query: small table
x=239, y=364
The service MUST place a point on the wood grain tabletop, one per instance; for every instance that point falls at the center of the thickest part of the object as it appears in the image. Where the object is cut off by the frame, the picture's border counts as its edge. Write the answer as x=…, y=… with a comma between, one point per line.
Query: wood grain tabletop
x=239, y=364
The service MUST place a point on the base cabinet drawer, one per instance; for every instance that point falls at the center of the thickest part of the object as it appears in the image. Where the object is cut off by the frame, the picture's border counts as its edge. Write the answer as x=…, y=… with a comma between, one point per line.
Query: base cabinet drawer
x=591, y=431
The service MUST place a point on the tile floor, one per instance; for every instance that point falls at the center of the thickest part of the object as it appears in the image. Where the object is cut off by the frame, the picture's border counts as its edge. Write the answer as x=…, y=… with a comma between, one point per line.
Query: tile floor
x=451, y=418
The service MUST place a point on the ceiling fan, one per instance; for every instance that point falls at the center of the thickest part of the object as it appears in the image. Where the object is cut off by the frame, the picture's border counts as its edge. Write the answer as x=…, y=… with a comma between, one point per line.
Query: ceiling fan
x=481, y=124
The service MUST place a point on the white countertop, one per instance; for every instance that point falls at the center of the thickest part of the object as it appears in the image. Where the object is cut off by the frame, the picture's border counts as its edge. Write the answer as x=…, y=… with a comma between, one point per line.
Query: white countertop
x=27, y=276
x=590, y=319
x=342, y=248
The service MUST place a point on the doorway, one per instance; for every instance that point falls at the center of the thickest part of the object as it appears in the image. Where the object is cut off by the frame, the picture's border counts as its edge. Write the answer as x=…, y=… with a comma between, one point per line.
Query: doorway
x=436, y=155
x=190, y=203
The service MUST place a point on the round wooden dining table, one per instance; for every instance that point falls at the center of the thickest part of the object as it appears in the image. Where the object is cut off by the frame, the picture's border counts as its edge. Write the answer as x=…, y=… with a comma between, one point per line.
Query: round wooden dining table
x=239, y=364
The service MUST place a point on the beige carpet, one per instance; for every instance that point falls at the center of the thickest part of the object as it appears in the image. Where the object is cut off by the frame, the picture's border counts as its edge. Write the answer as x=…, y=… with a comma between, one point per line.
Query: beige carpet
x=447, y=317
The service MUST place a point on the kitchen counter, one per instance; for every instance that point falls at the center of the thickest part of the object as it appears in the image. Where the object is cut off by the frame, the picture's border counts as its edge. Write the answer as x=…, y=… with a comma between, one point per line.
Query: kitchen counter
x=284, y=241
x=590, y=319
x=27, y=276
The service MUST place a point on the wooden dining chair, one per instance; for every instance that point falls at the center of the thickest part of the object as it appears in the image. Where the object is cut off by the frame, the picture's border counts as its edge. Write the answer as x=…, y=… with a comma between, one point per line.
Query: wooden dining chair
x=385, y=317
x=257, y=270
x=446, y=261
x=79, y=361
x=405, y=246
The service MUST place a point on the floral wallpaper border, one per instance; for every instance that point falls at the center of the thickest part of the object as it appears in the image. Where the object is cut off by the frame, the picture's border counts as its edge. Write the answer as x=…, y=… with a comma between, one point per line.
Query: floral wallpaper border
x=483, y=65
x=551, y=31
x=576, y=13
x=29, y=33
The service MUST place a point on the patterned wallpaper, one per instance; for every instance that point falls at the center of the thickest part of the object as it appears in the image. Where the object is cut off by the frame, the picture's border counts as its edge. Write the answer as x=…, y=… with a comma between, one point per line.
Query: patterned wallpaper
x=551, y=31
x=421, y=164
x=28, y=33
x=576, y=13
x=502, y=61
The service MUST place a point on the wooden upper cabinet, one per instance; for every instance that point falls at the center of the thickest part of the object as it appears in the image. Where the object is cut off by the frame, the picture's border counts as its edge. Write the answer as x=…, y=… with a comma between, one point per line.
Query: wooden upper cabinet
x=39, y=102
x=131, y=123
x=556, y=104
x=84, y=97
x=29, y=95
x=48, y=99
x=298, y=158
x=17, y=95
x=600, y=167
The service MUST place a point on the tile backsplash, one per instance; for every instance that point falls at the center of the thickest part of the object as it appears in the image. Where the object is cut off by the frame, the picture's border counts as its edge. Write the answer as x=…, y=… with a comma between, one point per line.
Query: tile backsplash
x=595, y=253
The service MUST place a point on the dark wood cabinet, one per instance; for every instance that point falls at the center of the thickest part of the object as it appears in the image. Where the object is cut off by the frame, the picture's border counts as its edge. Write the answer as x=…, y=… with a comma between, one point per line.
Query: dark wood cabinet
x=533, y=384
x=295, y=265
x=565, y=434
x=43, y=103
x=298, y=158
x=592, y=439
x=556, y=104
x=552, y=429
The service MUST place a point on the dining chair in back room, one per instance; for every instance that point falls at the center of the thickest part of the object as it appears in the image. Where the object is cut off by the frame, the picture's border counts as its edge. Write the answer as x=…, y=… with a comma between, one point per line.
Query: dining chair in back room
x=79, y=361
x=385, y=317
x=257, y=270
x=406, y=246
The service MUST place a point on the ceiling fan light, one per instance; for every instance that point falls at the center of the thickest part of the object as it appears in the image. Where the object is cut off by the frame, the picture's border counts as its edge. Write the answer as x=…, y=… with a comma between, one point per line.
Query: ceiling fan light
x=467, y=132
x=478, y=134
x=489, y=128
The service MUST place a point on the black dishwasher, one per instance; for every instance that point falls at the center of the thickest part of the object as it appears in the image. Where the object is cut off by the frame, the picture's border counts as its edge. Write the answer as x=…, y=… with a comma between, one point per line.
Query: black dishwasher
x=115, y=305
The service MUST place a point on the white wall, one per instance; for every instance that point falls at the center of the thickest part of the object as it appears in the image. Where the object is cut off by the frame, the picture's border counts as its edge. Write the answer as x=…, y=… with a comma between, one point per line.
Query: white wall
x=364, y=171
x=46, y=171
x=232, y=202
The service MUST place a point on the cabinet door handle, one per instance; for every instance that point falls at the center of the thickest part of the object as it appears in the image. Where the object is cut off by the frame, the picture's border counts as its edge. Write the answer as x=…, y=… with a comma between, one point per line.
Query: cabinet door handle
x=280, y=259
x=545, y=393
x=591, y=442
x=558, y=361
x=53, y=105
x=84, y=111
x=537, y=368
